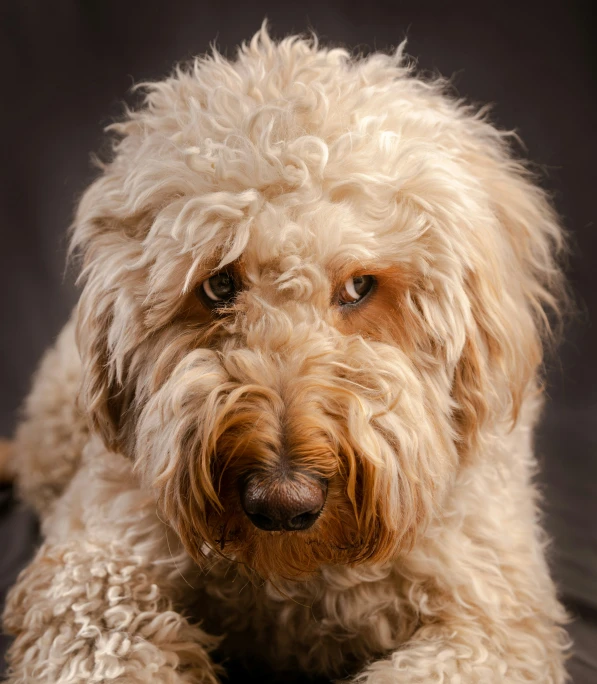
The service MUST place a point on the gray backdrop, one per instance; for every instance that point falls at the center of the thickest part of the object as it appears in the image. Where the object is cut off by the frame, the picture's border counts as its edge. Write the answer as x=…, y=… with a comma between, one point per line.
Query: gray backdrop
x=65, y=68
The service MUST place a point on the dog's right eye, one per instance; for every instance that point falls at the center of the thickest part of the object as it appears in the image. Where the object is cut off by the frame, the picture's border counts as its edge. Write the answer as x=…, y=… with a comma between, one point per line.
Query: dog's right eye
x=355, y=289
x=217, y=290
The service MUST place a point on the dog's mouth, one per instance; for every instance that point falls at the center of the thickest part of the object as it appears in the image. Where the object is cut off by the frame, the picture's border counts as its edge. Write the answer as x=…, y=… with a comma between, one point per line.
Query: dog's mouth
x=277, y=545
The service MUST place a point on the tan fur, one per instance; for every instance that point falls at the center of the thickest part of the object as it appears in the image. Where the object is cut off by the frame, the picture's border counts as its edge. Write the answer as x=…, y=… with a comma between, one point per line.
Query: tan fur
x=295, y=168
x=6, y=461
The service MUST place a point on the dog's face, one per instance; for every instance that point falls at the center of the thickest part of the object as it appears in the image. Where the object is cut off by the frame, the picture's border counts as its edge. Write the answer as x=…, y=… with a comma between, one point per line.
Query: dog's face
x=312, y=289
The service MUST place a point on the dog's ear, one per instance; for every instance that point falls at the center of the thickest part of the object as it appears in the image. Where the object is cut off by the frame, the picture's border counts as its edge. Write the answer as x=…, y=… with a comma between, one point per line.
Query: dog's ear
x=513, y=284
x=107, y=237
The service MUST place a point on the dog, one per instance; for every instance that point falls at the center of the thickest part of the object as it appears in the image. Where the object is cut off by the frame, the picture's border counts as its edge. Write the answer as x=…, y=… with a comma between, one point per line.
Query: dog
x=292, y=416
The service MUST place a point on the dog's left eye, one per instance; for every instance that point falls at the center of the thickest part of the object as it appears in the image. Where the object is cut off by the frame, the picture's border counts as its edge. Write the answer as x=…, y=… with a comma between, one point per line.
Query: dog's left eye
x=217, y=290
x=355, y=289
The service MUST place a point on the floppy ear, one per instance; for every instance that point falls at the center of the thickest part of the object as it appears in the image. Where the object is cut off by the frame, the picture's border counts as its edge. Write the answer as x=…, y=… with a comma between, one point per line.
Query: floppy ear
x=513, y=283
x=108, y=244
x=100, y=395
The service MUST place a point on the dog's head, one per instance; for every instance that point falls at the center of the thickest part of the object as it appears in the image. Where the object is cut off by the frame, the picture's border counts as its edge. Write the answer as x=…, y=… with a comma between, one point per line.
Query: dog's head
x=313, y=289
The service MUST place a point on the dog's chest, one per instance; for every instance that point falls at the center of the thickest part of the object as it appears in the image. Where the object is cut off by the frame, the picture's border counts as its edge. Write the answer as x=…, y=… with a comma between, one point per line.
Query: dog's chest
x=330, y=625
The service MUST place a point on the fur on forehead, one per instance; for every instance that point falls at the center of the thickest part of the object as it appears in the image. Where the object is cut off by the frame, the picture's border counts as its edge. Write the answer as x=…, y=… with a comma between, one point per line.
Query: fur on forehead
x=281, y=129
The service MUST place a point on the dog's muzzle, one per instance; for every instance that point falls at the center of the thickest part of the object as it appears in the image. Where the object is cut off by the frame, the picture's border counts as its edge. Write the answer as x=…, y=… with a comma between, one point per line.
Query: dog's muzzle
x=285, y=502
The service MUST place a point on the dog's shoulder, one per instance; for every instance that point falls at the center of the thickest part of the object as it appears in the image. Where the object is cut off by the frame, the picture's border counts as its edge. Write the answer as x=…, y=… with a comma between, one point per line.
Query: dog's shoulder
x=52, y=432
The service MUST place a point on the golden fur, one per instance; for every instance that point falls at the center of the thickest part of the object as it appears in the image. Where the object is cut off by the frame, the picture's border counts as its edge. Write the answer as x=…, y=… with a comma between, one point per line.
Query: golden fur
x=295, y=168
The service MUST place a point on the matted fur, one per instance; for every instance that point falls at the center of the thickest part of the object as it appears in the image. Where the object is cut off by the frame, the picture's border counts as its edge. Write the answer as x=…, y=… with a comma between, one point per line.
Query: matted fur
x=295, y=168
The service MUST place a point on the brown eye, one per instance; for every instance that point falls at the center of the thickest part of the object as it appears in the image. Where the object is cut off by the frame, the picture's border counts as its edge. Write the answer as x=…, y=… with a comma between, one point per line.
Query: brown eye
x=217, y=290
x=355, y=289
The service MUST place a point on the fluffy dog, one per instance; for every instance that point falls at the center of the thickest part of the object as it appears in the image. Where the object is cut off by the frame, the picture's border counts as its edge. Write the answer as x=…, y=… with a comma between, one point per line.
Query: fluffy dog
x=306, y=355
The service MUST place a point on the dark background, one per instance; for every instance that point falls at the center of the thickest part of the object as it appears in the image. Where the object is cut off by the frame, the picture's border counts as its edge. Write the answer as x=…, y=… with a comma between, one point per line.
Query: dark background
x=66, y=66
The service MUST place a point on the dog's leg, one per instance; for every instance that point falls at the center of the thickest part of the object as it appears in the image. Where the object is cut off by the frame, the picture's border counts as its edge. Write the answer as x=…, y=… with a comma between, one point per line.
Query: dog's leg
x=471, y=653
x=473, y=645
x=97, y=604
x=486, y=606
x=86, y=613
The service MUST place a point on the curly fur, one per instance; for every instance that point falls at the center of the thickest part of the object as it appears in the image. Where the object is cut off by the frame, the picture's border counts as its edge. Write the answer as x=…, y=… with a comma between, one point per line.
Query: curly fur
x=295, y=168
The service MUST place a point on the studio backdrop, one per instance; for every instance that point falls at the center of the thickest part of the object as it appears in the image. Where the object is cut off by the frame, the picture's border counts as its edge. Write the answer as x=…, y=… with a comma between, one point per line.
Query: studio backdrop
x=67, y=66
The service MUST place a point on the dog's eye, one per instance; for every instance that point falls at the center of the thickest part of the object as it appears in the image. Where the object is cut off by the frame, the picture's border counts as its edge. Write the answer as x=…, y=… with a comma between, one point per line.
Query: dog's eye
x=355, y=289
x=219, y=289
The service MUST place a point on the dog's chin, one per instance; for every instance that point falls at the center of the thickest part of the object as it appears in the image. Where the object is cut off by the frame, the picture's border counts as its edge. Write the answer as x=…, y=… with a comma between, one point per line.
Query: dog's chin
x=297, y=555
x=291, y=555
x=288, y=556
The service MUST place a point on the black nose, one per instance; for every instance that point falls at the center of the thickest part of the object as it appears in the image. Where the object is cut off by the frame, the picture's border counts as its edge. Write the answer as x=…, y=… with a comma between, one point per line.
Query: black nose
x=283, y=503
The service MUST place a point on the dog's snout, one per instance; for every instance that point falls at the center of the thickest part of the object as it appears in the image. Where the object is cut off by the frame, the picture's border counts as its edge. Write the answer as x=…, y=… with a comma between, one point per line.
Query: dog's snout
x=283, y=503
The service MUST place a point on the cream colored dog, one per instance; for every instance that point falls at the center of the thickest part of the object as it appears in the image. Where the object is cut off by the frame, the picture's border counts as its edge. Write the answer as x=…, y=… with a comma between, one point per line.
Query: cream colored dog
x=306, y=355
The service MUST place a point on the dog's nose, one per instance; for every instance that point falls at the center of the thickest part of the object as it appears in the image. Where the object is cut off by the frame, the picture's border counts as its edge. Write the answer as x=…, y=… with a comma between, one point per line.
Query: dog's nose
x=286, y=503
